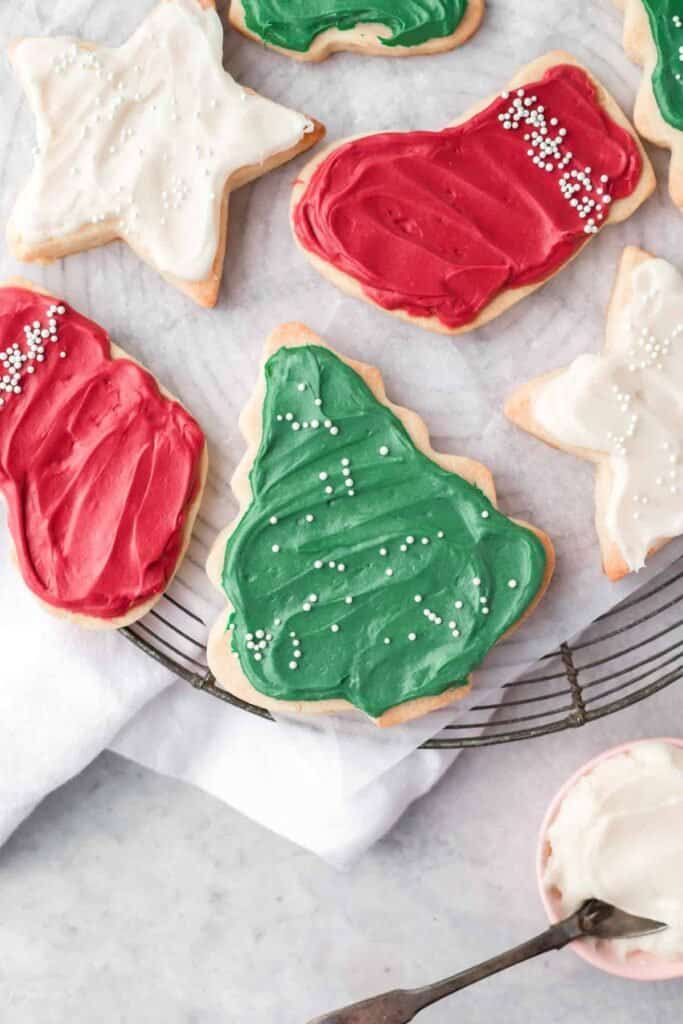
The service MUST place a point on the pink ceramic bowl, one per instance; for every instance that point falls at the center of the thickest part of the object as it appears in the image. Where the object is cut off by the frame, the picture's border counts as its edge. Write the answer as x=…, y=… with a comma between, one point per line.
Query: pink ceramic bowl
x=637, y=966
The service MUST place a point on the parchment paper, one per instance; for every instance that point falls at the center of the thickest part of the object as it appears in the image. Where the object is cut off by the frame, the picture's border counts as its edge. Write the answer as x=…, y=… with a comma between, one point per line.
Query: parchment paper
x=210, y=358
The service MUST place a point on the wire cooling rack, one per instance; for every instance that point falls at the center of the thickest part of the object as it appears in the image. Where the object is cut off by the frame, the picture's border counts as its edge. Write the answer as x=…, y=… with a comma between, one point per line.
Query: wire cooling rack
x=625, y=656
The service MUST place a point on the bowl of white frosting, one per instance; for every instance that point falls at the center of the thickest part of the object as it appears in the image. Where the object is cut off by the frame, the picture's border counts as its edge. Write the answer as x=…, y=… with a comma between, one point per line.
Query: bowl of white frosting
x=615, y=832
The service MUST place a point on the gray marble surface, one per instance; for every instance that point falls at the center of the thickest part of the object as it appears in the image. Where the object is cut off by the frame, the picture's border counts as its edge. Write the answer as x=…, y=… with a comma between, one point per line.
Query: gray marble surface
x=131, y=898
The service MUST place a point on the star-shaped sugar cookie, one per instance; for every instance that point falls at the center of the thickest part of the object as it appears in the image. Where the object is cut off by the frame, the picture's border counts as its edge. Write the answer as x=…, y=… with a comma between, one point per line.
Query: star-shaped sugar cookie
x=145, y=143
x=623, y=410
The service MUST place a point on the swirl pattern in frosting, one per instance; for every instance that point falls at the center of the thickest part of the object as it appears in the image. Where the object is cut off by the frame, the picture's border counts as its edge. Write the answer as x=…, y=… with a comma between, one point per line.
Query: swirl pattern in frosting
x=97, y=467
x=295, y=26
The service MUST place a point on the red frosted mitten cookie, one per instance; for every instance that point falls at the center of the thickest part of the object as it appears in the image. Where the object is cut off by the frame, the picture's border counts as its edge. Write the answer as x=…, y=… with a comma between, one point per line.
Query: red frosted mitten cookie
x=101, y=471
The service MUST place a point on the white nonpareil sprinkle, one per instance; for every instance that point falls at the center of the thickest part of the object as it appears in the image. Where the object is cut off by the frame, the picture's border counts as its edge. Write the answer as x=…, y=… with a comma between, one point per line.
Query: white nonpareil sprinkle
x=546, y=148
x=21, y=358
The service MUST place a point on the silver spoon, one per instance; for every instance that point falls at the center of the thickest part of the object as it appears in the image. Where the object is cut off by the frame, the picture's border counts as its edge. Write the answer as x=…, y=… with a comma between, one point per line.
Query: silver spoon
x=593, y=918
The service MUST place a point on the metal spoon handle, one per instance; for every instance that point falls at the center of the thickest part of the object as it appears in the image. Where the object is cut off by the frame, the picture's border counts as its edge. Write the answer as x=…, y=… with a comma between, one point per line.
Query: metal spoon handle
x=594, y=917
x=401, y=1005
x=555, y=937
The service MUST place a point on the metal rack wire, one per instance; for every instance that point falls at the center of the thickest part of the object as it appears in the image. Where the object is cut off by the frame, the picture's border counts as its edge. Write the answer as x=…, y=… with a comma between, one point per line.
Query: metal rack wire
x=625, y=656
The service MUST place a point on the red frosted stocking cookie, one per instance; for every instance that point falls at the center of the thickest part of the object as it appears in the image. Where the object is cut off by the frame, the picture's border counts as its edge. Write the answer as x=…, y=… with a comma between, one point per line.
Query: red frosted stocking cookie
x=448, y=229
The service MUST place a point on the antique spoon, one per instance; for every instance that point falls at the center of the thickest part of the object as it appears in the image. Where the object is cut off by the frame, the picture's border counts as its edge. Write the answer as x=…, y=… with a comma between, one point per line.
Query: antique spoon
x=593, y=918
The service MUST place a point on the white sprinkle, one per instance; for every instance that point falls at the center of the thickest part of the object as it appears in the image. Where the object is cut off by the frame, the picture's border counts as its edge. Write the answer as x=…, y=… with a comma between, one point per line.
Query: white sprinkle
x=310, y=518
x=458, y=604
x=317, y=564
x=301, y=387
x=275, y=548
x=273, y=520
x=476, y=581
x=383, y=552
x=387, y=641
x=293, y=664
x=412, y=636
x=485, y=514
x=384, y=450
x=334, y=628
x=417, y=598
x=512, y=584
x=348, y=600
x=389, y=572
x=322, y=476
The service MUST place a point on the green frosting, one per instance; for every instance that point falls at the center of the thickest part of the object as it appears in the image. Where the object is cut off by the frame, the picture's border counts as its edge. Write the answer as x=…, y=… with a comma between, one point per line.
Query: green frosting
x=361, y=569
x=666, y=24
x=294, y=25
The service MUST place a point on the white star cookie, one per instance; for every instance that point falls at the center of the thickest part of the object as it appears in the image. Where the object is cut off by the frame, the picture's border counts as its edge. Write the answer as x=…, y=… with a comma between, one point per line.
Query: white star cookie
x=145, y=143
x=623, y=410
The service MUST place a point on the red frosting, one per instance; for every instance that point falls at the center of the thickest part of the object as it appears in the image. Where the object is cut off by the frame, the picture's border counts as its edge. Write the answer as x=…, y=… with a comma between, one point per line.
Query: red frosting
x=97, y=467
x=438, y=223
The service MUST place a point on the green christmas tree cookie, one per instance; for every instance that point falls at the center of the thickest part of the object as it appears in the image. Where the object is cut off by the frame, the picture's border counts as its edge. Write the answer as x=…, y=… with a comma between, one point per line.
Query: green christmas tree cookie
x=361, y=569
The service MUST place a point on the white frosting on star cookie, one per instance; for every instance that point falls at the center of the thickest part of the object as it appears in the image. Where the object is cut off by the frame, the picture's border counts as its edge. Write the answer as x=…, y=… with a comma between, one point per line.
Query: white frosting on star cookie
x=628, y=404
x=143, y=137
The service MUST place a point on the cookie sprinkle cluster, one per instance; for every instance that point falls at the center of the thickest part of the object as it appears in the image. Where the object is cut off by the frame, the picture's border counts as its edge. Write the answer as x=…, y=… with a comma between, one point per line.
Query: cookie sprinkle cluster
x=337, y=481
x=546, y=139
x=647, y=353
x=23, y=358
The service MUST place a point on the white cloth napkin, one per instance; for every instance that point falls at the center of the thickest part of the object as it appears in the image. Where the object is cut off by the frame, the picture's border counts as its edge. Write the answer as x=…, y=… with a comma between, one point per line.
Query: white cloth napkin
x=67, y=694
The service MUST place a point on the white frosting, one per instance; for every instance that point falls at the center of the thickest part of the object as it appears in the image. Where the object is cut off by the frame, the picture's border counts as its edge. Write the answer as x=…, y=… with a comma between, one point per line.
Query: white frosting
x=144, y=136
x=618, y=836
x=628, y=404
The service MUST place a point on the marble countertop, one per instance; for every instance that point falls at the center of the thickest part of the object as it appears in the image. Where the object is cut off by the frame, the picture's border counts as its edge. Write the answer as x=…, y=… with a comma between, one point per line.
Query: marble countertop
x=128, y=897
